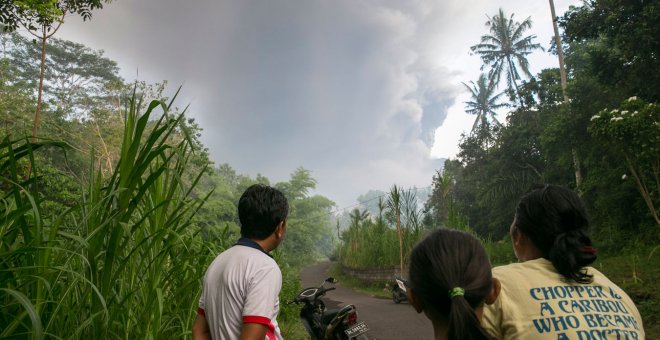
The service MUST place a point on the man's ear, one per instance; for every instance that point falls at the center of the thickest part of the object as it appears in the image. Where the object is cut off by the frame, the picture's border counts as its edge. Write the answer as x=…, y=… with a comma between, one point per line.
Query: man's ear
x=494, y=292
x=281, y=229
x=419, y=307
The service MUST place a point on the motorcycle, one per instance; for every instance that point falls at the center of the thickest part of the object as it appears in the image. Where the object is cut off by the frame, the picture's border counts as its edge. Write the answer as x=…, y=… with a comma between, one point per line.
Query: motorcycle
x=399, y=290
x=325, y=324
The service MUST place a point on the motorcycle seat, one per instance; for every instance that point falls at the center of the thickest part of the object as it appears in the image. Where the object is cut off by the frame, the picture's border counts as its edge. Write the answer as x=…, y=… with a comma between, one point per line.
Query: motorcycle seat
x=329, y=315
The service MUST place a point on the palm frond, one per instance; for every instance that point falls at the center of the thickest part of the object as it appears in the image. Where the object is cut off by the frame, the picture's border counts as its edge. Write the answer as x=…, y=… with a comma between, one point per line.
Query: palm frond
x=504, y=43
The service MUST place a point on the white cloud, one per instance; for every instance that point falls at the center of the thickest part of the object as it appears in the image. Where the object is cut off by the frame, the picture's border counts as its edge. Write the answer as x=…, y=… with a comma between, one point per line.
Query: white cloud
x=352, y=90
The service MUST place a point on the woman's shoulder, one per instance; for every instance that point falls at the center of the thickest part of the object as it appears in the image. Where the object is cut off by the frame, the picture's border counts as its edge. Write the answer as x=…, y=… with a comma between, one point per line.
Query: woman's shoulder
x=539, y=264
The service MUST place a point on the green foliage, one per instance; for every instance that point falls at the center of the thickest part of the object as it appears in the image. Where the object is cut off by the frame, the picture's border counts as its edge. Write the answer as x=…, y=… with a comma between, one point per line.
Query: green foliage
x=483, y=101
x=123, y=261
x=632, y=132
x=542, y=140
x=626, y=54
x=636, y=271
x=310, y=233
x=611, y=55
x=289, y=315
x=131, y=206
x=631, y=128
x=375, y=242
x=128, y=249
x=32, y=14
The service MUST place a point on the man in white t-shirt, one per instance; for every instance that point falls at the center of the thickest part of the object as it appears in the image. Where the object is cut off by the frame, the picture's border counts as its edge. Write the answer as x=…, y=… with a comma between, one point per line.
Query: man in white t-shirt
x=240, y=296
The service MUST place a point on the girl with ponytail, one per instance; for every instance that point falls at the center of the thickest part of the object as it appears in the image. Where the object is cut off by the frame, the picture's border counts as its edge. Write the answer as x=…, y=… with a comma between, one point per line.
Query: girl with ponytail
x=552, y=292
x=450, y=280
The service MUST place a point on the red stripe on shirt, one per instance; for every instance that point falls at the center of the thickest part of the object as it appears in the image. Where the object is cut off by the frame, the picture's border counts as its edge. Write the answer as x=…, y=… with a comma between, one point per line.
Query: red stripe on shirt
x=270, y=333
x=200, y=311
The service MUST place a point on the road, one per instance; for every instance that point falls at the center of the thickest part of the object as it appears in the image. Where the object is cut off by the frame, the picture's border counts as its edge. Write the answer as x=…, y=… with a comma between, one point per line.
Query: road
x=386, y=320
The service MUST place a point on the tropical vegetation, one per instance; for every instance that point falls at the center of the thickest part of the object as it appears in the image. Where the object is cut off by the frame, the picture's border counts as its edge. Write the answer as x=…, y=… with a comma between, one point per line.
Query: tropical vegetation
x=111, y=215
x=603, y=142
x=111, y=210
x=599, y=135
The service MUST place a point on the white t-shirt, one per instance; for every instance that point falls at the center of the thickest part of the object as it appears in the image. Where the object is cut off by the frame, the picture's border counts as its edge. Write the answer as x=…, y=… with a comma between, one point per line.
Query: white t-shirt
x=241, y=285
x=537, y=303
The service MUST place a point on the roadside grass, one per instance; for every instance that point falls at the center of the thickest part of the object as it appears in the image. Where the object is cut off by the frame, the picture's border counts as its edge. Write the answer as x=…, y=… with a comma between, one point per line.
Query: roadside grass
x=637, y=272
x=289, y=316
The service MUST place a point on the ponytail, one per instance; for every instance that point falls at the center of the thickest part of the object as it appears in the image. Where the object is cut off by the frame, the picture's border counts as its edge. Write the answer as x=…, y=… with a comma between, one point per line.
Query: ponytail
x=570, y=253
x=463, y=322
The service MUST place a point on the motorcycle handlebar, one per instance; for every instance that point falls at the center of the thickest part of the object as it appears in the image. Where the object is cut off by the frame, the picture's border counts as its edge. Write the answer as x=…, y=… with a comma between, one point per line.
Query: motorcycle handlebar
x=321, y=291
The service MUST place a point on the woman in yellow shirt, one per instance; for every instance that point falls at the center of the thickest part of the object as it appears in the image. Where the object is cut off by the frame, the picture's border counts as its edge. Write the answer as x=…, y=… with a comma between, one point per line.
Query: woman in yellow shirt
x=552, y=293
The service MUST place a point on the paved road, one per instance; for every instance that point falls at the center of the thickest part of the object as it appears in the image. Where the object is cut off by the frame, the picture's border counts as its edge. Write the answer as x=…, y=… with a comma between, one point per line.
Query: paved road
x=386, y=320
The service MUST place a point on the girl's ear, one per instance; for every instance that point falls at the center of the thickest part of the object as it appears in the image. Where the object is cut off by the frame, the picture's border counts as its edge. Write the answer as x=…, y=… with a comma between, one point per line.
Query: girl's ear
x=494, y=292
x=419, y=307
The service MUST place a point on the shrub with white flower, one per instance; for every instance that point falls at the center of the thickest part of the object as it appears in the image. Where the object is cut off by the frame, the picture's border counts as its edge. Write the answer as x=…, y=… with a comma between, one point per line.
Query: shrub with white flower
x=633, y=126
x=636, y=138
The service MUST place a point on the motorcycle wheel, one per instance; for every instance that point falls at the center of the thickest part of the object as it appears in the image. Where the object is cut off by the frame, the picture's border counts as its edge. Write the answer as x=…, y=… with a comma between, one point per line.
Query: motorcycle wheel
x=395, y=298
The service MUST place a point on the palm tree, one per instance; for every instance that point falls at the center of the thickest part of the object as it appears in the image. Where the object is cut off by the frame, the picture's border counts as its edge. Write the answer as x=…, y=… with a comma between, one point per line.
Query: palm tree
x=358, y=216
x=394, y=204
x=483, y=102
x=506, y=48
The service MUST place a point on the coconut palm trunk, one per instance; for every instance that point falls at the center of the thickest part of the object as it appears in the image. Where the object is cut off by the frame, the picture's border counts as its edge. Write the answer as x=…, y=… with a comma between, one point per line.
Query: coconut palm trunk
x=42, y=71
x=564, y=85
x=394, y=203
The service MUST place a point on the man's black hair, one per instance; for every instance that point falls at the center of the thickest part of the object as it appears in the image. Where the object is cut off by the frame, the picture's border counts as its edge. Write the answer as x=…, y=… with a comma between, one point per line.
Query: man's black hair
x=260, y=209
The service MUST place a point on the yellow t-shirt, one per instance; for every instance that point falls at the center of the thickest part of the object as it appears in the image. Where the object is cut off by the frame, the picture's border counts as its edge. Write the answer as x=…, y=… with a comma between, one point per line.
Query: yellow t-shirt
x=537, y=303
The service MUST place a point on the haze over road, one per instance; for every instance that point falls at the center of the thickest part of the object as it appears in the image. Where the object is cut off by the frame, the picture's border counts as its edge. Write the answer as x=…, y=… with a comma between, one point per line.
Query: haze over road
x=386, y=320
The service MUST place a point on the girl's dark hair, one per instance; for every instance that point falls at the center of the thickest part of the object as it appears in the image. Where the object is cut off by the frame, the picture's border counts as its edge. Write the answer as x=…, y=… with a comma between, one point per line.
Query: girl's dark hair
x=446, y=259
x=555, y=220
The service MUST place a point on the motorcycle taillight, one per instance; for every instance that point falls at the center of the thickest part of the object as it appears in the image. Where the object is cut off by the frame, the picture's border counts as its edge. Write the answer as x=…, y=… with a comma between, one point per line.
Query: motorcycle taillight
x=351, y=318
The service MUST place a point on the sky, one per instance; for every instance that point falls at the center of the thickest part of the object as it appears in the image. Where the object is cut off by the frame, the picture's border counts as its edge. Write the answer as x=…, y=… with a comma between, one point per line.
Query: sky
x=363, y=93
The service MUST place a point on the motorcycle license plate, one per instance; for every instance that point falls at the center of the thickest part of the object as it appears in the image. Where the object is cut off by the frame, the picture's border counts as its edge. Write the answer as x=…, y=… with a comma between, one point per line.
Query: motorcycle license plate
x=357, y=329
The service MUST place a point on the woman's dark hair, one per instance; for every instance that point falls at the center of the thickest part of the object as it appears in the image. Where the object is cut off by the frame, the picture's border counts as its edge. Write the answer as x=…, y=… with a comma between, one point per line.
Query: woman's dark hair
x=555, y=220
x=444, y=260
x=260, y=209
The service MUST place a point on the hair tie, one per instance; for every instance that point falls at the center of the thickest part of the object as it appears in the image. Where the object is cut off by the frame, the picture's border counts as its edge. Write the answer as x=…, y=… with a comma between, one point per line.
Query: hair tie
x=456, y=291
x=588, y=250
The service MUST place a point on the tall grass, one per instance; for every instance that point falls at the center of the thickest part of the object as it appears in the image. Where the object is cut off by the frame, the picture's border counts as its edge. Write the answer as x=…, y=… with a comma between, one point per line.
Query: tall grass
x=123, y=262
x=370, y=246
x=374, y=244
